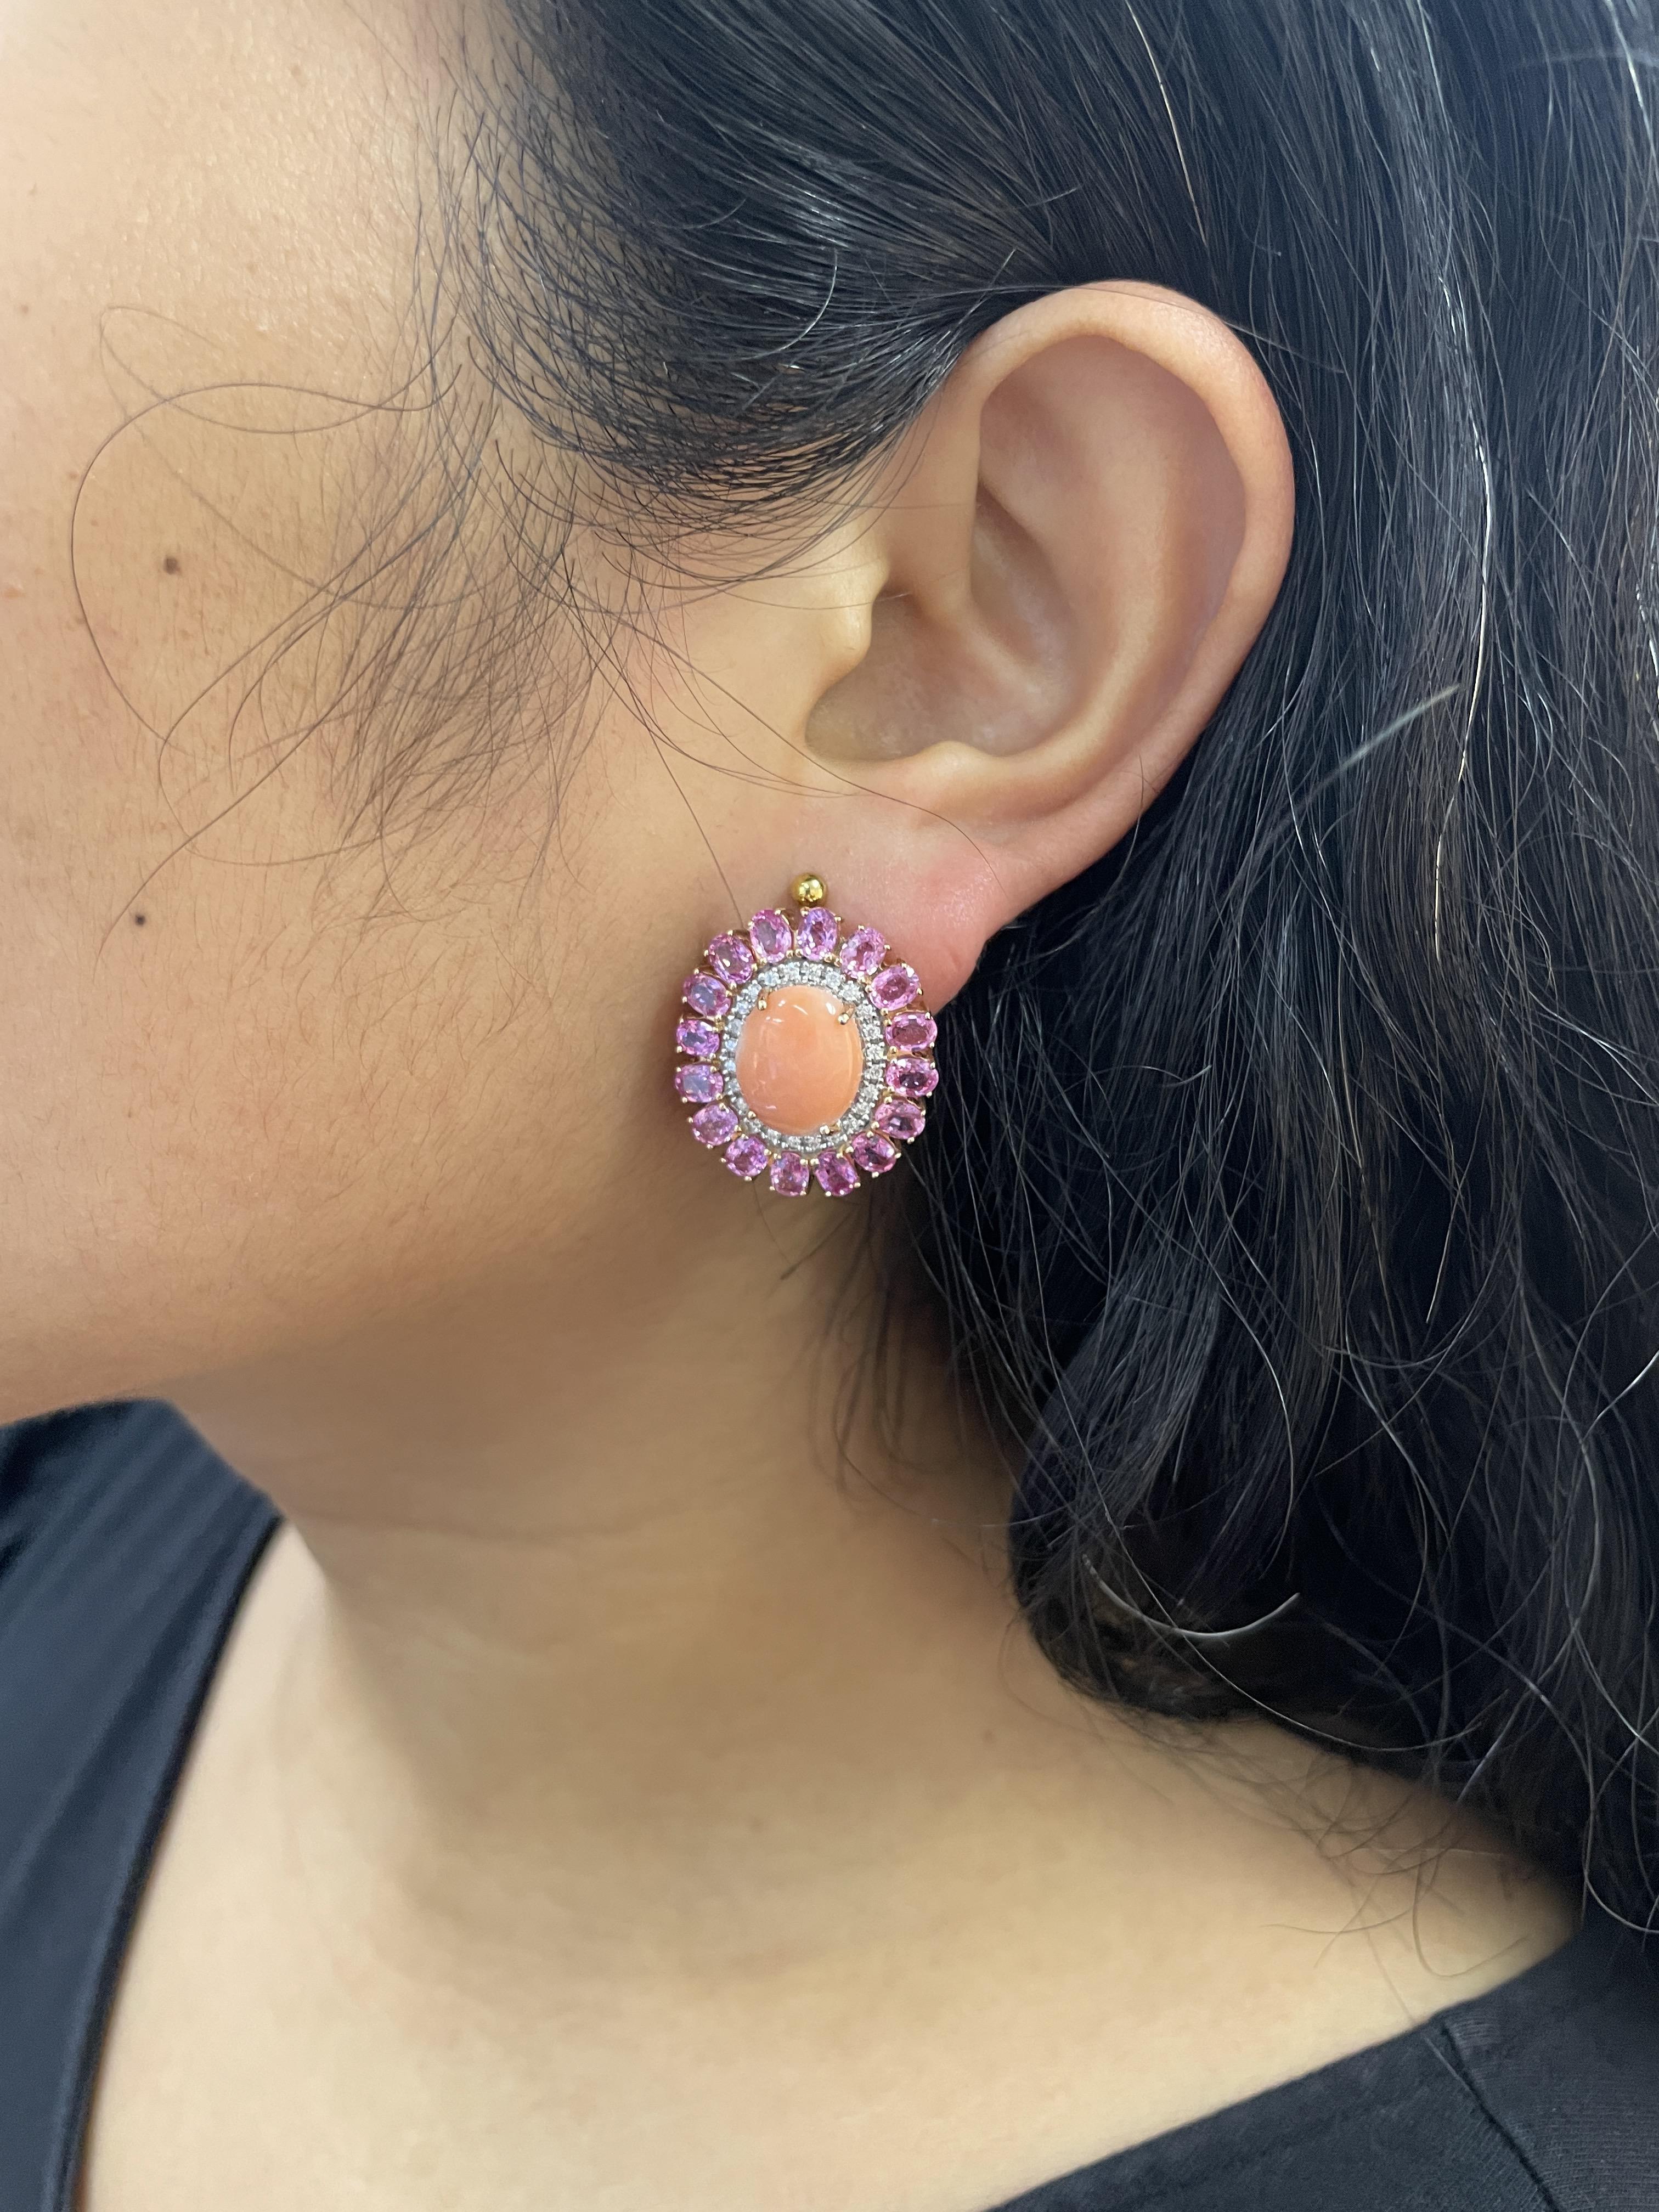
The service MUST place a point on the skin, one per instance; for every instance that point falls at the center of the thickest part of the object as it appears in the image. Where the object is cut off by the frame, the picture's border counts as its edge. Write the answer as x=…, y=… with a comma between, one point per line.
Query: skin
x=608, y=1798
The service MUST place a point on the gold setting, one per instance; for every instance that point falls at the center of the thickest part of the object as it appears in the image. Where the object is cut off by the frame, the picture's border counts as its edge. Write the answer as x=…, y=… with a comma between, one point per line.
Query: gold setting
x=808, y=891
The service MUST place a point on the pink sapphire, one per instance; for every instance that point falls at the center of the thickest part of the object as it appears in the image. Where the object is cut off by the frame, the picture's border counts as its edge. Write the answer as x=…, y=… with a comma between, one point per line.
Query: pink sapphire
x=912, y=1032
x=789, y=1175
x=835, y=1174
x=701, y=1041
x=900, y=1118
x=731, y=956
x=697, y=1084
x=746, y=1156
x=894, y=987
x=714, y=1124
x=705, y=995
x=912, y=1078
x=874, y=1153
x=815, y=934
x=863, y=952
x=769, y=933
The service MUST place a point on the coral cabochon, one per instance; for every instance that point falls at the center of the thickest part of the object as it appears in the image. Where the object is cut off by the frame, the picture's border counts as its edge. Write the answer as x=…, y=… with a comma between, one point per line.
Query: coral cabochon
x=807, y=1052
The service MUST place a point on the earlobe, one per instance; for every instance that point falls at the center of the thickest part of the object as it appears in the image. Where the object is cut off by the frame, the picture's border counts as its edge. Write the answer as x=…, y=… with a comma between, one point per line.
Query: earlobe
x=1086, y=535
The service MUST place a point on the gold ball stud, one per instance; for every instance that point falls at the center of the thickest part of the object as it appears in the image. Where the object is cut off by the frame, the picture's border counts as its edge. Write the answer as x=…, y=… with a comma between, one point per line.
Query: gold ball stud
x=808, y=891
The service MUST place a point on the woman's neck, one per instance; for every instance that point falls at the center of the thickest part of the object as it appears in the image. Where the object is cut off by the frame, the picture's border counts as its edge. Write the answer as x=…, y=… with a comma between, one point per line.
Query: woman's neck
x=632, y=1571
x=600, y=1740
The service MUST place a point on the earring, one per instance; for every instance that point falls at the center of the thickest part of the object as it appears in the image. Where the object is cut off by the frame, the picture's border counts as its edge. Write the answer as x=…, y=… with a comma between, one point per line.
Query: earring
x=808, y=1052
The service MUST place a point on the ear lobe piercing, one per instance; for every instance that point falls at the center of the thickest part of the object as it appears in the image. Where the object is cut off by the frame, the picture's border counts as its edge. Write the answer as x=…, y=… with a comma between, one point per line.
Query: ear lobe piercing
x=808, y=1051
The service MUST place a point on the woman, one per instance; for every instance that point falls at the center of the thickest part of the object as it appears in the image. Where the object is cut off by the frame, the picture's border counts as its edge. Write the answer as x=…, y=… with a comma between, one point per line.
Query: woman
x=832, y=836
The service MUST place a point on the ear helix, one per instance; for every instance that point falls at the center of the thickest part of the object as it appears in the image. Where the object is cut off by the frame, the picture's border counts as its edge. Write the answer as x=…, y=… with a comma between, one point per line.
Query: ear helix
x=808, y=1051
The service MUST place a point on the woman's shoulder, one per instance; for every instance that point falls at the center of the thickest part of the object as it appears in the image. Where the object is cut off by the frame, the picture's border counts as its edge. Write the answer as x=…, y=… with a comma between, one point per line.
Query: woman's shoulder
x=1564, y=2061
x=124, y=1544
x=104, y=1482
x=123, y=1541
x=1539, y=2095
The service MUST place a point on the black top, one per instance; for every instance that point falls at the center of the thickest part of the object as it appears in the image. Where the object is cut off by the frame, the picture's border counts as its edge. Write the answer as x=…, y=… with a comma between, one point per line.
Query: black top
x=126, y=1546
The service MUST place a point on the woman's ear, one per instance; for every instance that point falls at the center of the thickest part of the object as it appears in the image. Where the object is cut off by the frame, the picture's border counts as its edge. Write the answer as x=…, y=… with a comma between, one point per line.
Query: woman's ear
x=1029, y=624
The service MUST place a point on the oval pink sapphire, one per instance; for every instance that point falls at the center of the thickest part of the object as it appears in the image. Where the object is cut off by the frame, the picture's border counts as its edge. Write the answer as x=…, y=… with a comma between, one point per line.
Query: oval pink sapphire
x=912, y=1032
x=790, y=1175
x=700, y=1039
x=863, y=952
x=912, y=1078
x=900, y=1118
x=745, y=1157
x=705, y=994
x=730, y=957
x=835, y=1174
x=874, y=1154
x=715, y=1124
x=769, y=933
x=698, y=1083
x=894, y=987
x=815, y=934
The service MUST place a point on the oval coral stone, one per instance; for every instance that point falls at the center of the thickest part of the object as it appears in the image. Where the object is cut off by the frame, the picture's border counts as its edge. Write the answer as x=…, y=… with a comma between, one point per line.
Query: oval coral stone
x=799, y=1059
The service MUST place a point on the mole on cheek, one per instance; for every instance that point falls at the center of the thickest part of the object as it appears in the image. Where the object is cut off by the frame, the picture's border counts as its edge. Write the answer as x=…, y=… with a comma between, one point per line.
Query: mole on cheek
x=171, y=564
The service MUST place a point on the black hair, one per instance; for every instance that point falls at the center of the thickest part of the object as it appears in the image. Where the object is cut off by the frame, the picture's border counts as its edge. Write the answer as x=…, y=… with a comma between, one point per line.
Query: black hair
x=1292, y=1184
